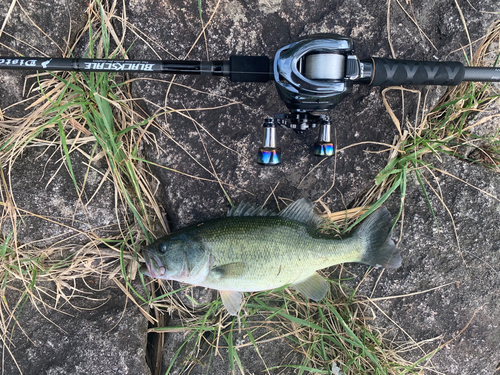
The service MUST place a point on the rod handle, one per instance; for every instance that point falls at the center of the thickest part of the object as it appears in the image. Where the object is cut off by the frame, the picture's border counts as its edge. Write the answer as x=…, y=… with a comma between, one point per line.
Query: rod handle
x=389, y=72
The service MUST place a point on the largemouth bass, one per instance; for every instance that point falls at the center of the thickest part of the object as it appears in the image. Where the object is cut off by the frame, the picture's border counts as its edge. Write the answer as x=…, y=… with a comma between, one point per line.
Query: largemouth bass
x=253, y=249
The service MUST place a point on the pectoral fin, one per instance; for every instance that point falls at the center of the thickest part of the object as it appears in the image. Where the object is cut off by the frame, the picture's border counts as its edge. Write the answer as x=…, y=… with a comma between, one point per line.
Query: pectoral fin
x=231, y=300
x=228, y=270
x=314, y=287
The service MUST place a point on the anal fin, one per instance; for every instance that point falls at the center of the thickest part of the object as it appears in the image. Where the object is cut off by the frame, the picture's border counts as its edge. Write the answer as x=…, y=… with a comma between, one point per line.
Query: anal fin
x=314, y=287
x=231, y=300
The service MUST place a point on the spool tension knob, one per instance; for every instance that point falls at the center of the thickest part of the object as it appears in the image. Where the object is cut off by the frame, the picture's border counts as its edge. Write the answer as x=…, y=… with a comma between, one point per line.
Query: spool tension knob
x=269, y=154
x=324, y=146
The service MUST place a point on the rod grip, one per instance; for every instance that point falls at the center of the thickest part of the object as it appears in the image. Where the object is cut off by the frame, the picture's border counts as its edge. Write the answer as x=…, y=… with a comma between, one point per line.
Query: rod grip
x=389, y=72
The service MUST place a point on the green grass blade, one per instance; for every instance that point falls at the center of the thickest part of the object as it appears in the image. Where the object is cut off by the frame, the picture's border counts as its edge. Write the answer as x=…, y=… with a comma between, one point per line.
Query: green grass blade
x=62, y=136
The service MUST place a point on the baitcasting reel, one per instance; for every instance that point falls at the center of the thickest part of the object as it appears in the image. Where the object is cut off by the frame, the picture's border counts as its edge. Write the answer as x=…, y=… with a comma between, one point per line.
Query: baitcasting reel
x=316, y=73
x=311, y=75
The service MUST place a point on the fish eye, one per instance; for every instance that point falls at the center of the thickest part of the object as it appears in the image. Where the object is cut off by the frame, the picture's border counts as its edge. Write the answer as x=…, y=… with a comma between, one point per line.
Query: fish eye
x=162, y=248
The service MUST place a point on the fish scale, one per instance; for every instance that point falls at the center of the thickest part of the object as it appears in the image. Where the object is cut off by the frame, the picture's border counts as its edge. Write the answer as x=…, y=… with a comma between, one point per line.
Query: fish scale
x=276, y=251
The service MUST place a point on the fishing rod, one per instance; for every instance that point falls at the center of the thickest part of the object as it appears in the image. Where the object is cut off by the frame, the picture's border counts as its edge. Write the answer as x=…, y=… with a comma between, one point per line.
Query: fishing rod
x=311, y=75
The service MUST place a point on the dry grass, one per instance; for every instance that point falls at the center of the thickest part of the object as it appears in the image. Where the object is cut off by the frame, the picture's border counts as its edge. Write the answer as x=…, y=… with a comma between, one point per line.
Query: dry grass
x=440, y=131
x=67, y=116
x=336, y=332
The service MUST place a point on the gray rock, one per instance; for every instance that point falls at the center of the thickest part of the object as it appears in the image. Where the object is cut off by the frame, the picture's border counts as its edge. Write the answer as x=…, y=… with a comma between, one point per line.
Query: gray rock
x=92, y=339
x=488, y=121
x=479, y=148
x=58, y=20
x=50, y=209
x=187, y=357
x=464, y=311
x=52, y=212
x=99, y=333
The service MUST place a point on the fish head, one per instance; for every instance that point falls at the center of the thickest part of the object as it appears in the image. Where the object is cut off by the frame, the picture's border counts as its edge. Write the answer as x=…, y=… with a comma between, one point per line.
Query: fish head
x=176, y=258
x=165, y=259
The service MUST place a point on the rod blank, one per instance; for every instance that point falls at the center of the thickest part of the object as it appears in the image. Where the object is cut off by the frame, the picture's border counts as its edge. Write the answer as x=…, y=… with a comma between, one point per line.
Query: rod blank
x=111, y=65
x=481, y=74
x=238, y=68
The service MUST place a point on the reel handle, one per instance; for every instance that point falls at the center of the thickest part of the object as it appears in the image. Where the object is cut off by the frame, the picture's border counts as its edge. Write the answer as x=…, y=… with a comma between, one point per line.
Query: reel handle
x=324, y=145
x=269, y=153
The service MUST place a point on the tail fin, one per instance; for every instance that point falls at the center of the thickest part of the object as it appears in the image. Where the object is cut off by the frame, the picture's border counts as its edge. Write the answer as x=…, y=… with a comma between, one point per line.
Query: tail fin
x=378, y=249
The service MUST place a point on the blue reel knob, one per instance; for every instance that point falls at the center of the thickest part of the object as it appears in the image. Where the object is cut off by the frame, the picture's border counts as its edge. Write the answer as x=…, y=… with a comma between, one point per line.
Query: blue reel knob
x=324, y=146
x=269, y=156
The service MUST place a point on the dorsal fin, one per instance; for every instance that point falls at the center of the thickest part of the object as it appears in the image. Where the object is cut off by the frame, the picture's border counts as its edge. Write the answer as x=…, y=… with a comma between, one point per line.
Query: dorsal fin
x=247, y=209
x=302, y=211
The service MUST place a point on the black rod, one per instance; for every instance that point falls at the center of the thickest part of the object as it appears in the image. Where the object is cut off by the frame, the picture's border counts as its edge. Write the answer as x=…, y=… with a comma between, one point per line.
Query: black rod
x=111, y=65
x=482, y=74
x=238, y=68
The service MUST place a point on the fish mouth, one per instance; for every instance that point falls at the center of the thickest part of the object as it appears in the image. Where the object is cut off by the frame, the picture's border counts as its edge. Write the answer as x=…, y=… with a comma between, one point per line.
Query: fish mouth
x=154, y=267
